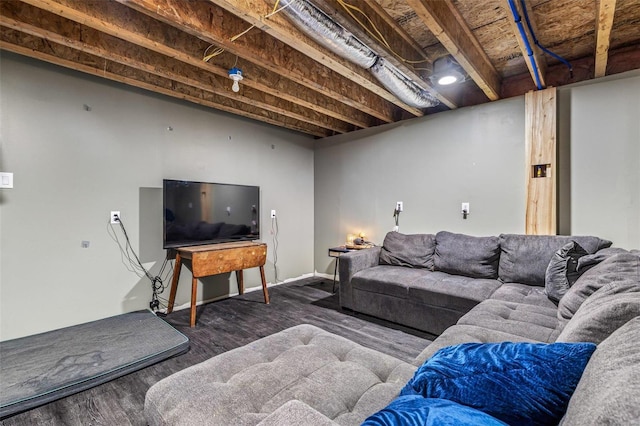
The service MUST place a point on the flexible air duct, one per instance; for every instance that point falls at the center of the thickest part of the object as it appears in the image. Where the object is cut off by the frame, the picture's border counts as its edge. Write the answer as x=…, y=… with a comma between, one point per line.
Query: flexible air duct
x=400, y=85
x=317, y=25
x=321, y=28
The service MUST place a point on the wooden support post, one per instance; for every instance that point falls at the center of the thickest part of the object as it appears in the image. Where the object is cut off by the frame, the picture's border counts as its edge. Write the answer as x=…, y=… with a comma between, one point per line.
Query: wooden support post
x=540, y=141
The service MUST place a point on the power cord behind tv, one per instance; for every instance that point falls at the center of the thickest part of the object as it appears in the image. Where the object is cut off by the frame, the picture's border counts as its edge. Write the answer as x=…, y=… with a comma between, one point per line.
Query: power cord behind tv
x=132, y=262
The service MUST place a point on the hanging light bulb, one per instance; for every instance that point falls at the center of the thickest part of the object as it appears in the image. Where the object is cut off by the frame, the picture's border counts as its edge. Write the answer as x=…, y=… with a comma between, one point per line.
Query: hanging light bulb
x=235, y=74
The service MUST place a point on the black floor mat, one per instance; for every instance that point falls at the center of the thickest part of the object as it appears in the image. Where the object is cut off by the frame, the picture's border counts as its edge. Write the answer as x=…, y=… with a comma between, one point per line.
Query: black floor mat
x=38, y=369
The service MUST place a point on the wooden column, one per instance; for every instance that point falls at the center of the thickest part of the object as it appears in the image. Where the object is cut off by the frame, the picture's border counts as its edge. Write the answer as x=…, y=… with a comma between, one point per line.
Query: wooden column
x=540, y=140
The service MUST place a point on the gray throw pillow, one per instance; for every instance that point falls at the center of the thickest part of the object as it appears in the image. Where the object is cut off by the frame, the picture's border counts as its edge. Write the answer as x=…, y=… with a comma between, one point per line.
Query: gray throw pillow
x=620, y=273
x=603, y=313
x=459, y=254
x=562, y=270
x=524, y=258
x=413, y=251
x=608, y=389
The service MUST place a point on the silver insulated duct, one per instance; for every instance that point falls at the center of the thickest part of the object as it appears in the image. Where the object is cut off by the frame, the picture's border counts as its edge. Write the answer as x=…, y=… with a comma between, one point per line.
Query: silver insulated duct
x=321, y=28
x=402, y=86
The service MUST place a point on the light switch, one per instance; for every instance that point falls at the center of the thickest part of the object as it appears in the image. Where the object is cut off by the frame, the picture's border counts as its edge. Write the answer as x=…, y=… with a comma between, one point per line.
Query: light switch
x=6, y=180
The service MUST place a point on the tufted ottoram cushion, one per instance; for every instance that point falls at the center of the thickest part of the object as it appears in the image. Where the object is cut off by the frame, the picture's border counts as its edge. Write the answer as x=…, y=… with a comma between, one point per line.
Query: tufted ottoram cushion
x=334, y=376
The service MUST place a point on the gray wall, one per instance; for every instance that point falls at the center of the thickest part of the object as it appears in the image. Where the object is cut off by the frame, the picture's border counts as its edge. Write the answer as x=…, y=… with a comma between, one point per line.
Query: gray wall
x=72, y=167
x=476, y=154
x=601, y=123
x=431, y=164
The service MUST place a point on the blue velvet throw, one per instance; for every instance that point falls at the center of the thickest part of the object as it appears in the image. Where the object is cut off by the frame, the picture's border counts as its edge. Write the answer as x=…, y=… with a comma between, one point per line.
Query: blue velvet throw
x=517, y=383
x=419, y=411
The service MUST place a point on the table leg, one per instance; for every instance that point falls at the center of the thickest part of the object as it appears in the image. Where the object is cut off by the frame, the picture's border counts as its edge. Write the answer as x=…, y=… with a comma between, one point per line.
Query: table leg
x=264, y=286
x=174, y=282
x=335, y=272
x=240, y=279
x=194, y=293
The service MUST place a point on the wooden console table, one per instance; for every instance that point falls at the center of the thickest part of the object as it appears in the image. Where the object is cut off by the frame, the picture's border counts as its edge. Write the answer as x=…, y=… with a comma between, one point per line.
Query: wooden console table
x=216, y=259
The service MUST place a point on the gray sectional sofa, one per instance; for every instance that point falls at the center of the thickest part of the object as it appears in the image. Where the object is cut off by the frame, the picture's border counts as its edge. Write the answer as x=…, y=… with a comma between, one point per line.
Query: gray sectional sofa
x=429, y=282
x=307, y=376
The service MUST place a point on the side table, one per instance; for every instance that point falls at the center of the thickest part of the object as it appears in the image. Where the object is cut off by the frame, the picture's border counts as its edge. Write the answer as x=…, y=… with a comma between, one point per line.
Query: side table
x=218, y=259
x=337, y=252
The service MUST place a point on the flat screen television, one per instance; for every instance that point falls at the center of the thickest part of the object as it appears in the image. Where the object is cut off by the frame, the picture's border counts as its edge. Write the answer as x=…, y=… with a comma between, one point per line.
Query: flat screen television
x=197, y=213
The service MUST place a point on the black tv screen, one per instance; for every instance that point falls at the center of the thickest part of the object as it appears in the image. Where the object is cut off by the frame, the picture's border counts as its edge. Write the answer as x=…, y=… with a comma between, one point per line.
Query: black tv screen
x=197, y=213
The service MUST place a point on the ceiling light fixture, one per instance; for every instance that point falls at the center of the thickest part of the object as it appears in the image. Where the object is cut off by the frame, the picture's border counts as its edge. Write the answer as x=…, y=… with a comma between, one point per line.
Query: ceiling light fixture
x=235, y=74
x=446, y=71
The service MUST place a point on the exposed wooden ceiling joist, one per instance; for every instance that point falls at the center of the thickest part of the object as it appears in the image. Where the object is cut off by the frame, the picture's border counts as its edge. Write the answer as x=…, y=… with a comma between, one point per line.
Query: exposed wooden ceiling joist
x=49, y=51
x=384, y=36
x=291, y=81
x=536, y=56
x=216, y=26
x=254, y=12
x=606, y=10
x=446, y=24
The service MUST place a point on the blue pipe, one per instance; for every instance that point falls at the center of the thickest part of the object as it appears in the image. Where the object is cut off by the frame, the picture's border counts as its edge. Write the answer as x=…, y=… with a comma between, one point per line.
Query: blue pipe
x=518, y=20
x=537, y=43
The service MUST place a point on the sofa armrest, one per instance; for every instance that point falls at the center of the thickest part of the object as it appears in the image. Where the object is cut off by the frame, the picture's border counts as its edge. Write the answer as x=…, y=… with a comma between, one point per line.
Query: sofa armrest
x=350, y=264
x=296, y=413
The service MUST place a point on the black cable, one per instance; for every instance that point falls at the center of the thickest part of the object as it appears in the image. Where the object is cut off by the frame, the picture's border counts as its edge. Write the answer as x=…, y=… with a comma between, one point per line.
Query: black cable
x=157, y=282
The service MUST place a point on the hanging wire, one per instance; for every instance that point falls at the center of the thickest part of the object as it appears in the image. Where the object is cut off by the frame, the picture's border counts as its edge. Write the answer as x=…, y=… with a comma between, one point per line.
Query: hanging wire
x=374, y=31
x=219, y=50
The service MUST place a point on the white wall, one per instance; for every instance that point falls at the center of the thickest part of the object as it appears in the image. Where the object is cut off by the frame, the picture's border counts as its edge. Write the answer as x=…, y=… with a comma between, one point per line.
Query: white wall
x=432, y=164
x=72, y=167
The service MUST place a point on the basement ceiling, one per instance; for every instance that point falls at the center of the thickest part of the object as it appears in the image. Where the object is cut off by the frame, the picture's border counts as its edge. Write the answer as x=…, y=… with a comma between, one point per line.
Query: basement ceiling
x=293, y=82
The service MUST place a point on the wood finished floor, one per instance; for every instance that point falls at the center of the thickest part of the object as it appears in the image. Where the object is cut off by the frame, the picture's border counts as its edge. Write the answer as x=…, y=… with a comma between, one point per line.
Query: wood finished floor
x=222, y=326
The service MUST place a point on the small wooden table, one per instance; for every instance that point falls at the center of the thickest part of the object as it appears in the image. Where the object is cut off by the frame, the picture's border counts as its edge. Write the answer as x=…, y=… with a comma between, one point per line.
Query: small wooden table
x=216, y=259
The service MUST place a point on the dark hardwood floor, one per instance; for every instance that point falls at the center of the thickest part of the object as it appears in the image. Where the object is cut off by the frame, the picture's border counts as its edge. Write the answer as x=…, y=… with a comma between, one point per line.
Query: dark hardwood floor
x=222, y=326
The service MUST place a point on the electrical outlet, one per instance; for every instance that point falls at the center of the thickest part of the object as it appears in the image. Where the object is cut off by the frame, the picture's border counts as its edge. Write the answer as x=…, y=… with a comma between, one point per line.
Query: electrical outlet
x=465, y=208
x=273, y=214
x=399, y=206
x=115, y=217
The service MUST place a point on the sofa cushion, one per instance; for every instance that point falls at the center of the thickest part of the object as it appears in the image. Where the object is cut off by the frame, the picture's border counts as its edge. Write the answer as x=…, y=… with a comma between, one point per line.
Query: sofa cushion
x=389, y=280
x=460, y=333
x=589, y=261
x=522, y=293
x=333, y=375
x=620, y=270
x=535, y=322
x=413, y=251
x=562, y=270
x=609, y=387
x=601, y=314
x=518, y=383
x=414, y=410
x=460, y=254
x=524, y=258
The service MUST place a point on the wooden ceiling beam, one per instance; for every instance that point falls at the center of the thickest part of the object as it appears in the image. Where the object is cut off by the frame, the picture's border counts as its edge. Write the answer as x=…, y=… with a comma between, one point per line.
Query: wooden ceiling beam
x=541, y=63
x=26, y=45
x=606, y=11
x=254, y=12
x=119, y=21
x=217, y=26
x=386, y=37
x=448, y=26
x=68, y=33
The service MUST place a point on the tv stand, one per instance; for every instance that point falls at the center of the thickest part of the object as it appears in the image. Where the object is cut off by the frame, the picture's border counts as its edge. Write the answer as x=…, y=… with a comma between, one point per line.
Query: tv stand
x=216, y=259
